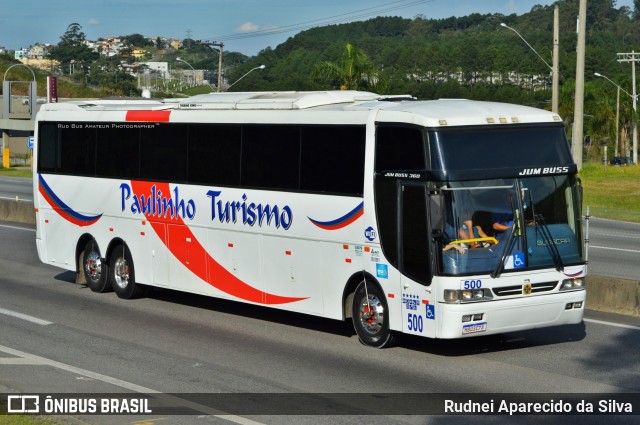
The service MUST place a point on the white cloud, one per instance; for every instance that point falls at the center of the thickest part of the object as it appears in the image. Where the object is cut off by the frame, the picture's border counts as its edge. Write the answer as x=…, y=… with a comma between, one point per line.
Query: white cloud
x=93, y=21
x=248, y=27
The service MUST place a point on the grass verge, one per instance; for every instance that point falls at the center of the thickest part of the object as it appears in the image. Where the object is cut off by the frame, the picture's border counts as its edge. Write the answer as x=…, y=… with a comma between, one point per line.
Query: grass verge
x=612, y=192
x=16, y=172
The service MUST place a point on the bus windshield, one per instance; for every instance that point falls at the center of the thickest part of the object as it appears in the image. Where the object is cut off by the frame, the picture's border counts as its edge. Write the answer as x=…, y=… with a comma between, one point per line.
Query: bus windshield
x=492, y=226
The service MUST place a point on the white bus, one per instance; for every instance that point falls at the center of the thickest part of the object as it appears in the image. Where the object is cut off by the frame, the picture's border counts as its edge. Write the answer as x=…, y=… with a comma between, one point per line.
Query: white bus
x=444, y=219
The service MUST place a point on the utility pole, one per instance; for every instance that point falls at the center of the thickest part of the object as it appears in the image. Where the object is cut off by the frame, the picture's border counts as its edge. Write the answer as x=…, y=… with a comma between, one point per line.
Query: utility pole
x=633, y=57
x=617, y=122
x=219, y=46
x=578, y=114
x=556, y=60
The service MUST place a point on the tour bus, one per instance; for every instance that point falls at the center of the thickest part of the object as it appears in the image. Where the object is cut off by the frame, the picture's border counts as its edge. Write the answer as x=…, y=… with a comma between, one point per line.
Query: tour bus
x=442, y=218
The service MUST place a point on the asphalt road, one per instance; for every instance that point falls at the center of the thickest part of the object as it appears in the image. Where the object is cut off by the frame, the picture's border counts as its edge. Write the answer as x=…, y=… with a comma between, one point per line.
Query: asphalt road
x=56, y=336
x=16, y=188
x=614, y=249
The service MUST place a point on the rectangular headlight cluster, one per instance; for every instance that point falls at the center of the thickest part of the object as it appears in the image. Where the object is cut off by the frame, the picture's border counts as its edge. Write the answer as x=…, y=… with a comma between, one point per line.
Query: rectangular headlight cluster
x=466, y=295
x=572, y=284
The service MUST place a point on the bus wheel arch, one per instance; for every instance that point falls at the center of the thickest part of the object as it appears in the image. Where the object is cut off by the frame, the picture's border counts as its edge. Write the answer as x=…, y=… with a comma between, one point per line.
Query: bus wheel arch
x=92, y=268
x=366, y=304
x=122, y=271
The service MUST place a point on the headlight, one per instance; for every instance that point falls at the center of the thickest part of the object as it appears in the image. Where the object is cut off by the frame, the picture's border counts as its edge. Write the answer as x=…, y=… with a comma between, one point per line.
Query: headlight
x=451, y=295
x=466, y=295
x=572, y=284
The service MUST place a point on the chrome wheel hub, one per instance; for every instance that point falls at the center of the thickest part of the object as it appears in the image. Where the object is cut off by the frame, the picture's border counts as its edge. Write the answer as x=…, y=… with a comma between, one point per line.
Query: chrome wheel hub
x=372, y=314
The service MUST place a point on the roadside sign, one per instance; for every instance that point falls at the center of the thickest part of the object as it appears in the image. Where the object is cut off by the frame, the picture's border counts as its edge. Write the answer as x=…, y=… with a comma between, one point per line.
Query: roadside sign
x=30, y=142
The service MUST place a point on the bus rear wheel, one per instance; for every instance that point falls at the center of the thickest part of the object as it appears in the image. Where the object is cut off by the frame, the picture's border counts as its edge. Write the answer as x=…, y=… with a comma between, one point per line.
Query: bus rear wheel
x=370, y=316
x=122, y=274
x=96, y=272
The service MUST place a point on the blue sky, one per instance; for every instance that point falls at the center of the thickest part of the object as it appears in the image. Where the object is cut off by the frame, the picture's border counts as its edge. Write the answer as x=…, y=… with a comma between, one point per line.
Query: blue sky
x=246, y=26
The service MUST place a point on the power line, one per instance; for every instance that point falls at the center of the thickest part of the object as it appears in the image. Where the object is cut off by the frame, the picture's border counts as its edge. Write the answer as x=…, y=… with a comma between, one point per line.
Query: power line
x=331, y=20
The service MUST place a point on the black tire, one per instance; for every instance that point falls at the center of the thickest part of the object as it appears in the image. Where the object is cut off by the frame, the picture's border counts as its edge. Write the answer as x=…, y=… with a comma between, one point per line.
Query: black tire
x=122, y=274
x=370, y=315
x=95, y=269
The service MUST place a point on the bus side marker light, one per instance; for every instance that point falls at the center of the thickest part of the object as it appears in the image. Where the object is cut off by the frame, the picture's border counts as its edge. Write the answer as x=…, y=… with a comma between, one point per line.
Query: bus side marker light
x=345, y=246
x=287, y=253
x=348, y=260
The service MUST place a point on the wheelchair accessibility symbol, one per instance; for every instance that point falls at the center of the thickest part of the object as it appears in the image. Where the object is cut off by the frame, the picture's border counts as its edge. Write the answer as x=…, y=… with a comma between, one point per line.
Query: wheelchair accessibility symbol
x=431, y=312
x=518, y=260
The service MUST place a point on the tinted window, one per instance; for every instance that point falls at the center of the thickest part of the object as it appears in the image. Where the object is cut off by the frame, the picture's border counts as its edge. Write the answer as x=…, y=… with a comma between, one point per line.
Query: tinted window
x=163, y=153
x=47, y=147
x=494, y=147
x=118, y=153
x=214, y=154
x=332, y=159
x=399, y=149
x=271, y=156
x=415, y=235
x=77, y=151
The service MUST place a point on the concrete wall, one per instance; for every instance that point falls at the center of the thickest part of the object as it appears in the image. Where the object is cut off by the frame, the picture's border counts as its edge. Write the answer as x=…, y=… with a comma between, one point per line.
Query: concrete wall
x=603, y=293
x=17, y=211
x=613, y=295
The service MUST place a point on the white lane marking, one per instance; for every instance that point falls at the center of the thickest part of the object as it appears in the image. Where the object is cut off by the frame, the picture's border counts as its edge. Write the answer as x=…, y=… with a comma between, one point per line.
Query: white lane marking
x=617, y=235
x=614, y=249
x=18, y=361
x=17, y=228
x=617, y=325
x=129, y=386
x=26, y=317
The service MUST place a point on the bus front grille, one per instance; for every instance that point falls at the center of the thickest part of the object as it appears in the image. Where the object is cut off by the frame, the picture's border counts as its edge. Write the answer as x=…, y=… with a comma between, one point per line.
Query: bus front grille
x=520, y=289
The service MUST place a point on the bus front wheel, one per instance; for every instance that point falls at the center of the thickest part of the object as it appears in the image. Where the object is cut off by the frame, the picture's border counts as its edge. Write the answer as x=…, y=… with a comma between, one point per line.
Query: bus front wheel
x=370, y=316
x=122, y=274
x=95, y=268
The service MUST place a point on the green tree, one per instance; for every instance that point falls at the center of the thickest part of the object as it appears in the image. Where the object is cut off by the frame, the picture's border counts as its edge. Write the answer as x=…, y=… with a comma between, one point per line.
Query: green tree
x=353, y=72
x=72, y=49
x=137, y=40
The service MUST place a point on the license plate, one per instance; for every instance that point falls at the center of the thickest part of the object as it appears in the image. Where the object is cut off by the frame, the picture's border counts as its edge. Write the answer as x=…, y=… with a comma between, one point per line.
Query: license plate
x=473, y=328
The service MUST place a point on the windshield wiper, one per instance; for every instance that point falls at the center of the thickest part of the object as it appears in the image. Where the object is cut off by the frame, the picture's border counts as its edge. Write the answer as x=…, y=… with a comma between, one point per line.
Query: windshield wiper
x=551, y=243
x=515, y=229
x=510, y=242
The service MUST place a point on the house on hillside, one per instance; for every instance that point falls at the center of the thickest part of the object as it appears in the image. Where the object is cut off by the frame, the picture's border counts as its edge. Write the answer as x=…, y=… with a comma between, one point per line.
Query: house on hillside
x=139, y=53
x=21, y=54
x=37, y=51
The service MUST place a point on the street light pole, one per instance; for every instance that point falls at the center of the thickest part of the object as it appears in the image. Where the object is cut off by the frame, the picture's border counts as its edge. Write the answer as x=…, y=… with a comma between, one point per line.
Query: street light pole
x=193, y=75
x=555, y=85
x=250, y=71
x=577, y=136
x=618, y=108
x=633, y=57
x=554, y=69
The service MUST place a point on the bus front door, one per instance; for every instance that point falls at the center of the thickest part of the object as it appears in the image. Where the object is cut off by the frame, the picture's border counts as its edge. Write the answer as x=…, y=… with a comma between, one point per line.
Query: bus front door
x=418, y=304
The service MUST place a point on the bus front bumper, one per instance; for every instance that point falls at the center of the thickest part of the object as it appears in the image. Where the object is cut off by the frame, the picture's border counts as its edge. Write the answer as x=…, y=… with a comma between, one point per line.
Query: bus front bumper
x=511, y=315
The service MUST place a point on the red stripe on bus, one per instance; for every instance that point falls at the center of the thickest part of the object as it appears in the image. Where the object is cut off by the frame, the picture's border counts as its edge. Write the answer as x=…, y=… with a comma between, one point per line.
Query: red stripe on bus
x=148, y=116
x=185, y=247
